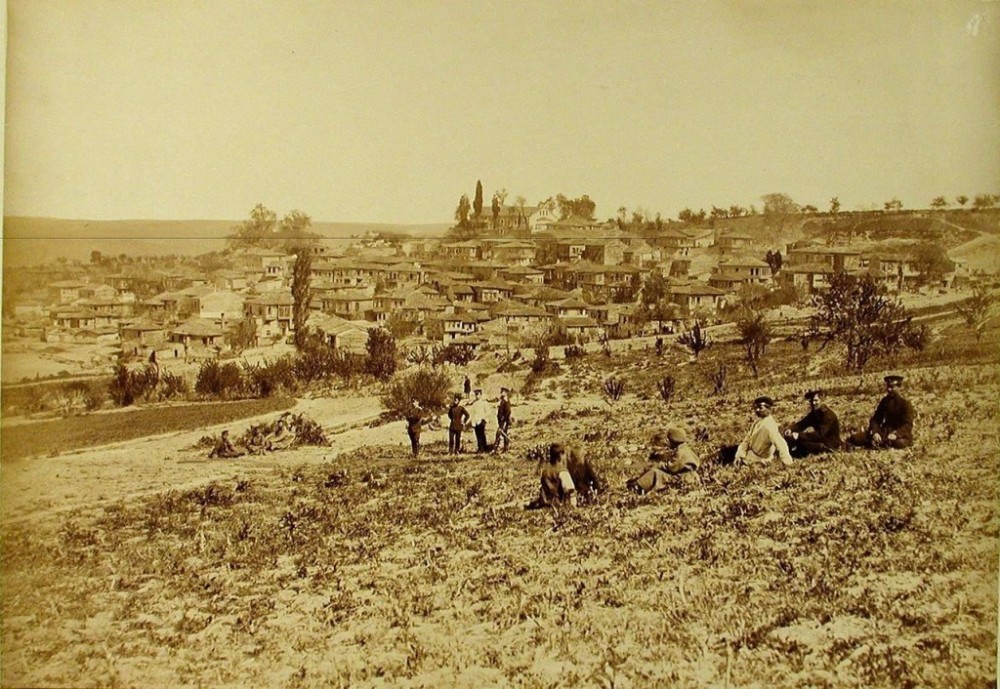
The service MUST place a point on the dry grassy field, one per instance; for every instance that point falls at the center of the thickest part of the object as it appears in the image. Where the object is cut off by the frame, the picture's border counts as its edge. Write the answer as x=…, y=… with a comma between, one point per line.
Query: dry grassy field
x=369, y=568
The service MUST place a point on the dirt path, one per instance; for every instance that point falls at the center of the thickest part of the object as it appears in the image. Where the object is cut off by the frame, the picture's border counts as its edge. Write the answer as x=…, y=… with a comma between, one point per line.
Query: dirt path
x=41, y=488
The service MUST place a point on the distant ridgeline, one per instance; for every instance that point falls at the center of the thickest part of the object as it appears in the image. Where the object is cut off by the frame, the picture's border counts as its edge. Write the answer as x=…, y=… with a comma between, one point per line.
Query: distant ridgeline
x=28, y=240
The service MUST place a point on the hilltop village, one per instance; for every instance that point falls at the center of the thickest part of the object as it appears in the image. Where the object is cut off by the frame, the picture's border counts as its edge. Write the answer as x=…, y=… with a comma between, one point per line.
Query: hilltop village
x=519, y=276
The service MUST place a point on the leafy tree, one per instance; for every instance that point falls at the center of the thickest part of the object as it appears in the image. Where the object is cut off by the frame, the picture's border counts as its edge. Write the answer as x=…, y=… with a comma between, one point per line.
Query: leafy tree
x=381, y=347
x=293, y=231
x=809, y=208
x=737, y=211
x=961, y=200
x=774, y=260
x=931, y=262
x=477, y=203
x=976, y=310
x=778, y=209
x=857, y=313
x=893, y=205
x=256, y=230
x=835, y=205
x=301, y=275
x=400, y=326
x=755, y=335
x=983, y=201
x=429, y=388
x=462, y=211
x=582, y=207
x=242, y=334
x=686, y=215
x=95, y=257
x=522, y=216
x=719, y=212
x=495, y=208
x=939, y=202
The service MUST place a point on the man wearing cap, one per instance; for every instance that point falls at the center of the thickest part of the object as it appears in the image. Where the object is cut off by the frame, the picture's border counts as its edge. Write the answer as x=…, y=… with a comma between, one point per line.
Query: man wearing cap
x=457, y=416
x=816, y=432
x=478, y=412
x=414, y=425
x=672, y=456
x=762, y=441
x=503, y=422
x=892, y=423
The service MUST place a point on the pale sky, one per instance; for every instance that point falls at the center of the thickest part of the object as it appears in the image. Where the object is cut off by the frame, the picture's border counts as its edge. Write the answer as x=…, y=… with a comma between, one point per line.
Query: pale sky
x=389, y=111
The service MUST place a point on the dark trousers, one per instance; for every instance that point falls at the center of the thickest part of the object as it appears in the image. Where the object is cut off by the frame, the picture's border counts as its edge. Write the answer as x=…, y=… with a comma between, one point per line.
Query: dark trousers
x=727, y=454
x=481, y=444
x=865, y=439
x=454, y=441
x=503, y=436
x=414, y=440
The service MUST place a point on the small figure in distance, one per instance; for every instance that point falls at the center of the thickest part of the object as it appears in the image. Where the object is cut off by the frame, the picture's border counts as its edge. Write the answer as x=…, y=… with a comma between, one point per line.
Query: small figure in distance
x=467, y=386
x=224, y=448
x=565, y=476
x=457, y=417
x=415, y=419
x=761, y=442
x=672, y=457
x=816, y=432
x=891, y=426
x=503, y=422
x=281, y=438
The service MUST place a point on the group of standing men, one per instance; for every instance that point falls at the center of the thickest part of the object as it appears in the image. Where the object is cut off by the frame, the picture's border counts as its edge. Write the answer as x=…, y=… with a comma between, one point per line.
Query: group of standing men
x=460, y=415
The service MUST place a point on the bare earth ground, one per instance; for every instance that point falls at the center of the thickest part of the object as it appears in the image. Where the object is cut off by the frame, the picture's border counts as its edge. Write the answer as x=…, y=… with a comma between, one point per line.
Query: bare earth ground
x=144, y=564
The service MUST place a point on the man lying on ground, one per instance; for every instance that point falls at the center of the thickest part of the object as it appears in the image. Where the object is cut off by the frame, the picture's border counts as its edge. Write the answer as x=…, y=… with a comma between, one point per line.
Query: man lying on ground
x=673, y=457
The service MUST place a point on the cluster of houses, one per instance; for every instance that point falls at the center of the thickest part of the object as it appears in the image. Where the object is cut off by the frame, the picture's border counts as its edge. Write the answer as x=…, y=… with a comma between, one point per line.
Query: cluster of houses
x=534, y=274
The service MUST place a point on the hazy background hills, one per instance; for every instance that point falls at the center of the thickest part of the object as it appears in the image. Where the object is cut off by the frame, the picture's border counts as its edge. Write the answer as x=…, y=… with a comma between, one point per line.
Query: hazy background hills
x=29, y=240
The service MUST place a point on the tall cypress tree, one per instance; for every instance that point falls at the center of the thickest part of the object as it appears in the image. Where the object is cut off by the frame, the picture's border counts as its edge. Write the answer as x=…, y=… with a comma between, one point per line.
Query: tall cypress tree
x=301, y=274
x=477, y=204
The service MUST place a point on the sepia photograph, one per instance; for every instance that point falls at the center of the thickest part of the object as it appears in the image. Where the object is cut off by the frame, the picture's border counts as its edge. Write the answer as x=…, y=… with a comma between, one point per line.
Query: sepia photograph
x=536, y=344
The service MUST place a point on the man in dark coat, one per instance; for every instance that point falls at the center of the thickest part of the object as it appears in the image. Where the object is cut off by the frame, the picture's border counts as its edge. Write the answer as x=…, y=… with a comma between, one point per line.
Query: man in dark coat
x=458, y=416
x=503, y=422
x=224, y=448
x=414, y=424
x=816, y=432
x=892, y=423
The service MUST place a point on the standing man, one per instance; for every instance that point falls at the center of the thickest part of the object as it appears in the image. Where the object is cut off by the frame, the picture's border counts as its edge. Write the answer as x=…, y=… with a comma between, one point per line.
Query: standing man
x=457, y=417
x=762, y=441
x=816, y=432
x=891, y=426
x=414, y=424
x=503, y=422
x=479, y=411
x=467, y=386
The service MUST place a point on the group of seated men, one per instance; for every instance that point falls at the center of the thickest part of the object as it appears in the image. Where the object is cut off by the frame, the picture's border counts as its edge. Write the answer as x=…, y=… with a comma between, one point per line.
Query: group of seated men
x=257, y=442
x=891, y=426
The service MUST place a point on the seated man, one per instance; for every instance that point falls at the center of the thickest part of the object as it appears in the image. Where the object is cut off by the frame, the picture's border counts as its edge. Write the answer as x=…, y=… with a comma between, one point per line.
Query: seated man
x=564, y=475
x=816, y=432
x=761, y=442
x=891, y=426
x=255, y=441
x=224, y=448
x=281, y=438
x=673, y=457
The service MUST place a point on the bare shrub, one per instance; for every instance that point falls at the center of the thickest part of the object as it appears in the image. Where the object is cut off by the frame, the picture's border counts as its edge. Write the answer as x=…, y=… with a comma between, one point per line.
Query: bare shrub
x=695, y=339
x=718, y=378
x=667, y=387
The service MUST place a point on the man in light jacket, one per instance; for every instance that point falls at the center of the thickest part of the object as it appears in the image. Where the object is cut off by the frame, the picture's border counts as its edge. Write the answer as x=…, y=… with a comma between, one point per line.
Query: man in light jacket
x=479, y=411
x=761, y=442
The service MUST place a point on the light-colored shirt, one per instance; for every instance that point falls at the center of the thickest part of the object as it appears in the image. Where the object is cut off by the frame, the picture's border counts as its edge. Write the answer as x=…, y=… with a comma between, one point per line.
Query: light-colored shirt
x=479, y=411
x=761, y=443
